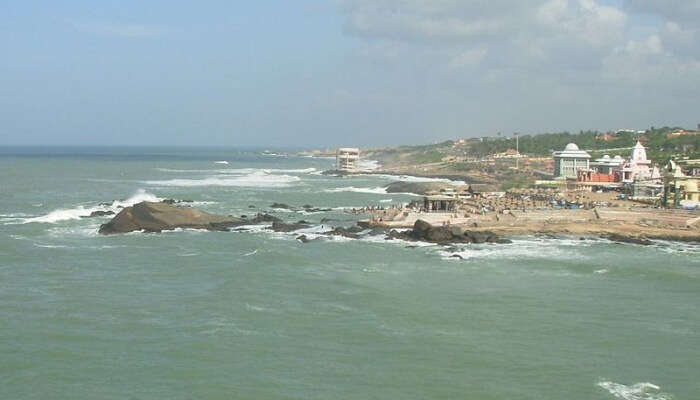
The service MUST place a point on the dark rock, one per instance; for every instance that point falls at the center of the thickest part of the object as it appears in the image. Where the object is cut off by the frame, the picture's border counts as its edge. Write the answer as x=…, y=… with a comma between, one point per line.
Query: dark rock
x=281, y=206
x=173, y=201
x=251, y=206
x=303, y=239
x=260, y=218
x=157, y=217
x=279, y=226
x=477, y=237
x=345, y=232
x=421, y=229
x=457, y=256
x=99, y=213
x=615, y=237
x=440, y=234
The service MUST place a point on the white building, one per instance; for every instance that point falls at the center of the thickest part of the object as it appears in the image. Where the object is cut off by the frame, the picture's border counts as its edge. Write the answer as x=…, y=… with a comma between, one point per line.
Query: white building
x=568, y=162
x=639, y=167
x=346, y=159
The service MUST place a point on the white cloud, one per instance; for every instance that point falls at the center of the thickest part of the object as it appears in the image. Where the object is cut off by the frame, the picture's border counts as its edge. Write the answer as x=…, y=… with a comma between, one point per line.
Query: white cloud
x=515, y=56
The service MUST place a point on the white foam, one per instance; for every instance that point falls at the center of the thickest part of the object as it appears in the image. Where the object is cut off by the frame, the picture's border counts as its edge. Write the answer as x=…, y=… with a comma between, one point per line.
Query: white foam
x=376, y=190
x=221, y=162
x=412, y=178
x=254, y=179
x=386, y=201
x=290, y=171
x=368, y=165
x=50, y=246
x=638, y=391
x=81, y=211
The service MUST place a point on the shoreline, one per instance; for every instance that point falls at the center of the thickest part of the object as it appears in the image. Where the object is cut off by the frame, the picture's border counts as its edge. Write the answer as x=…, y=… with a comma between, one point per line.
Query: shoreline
x=621, y=225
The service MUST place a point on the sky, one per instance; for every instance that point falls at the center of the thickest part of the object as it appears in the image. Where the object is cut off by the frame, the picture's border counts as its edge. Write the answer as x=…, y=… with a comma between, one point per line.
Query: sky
x=314, y=73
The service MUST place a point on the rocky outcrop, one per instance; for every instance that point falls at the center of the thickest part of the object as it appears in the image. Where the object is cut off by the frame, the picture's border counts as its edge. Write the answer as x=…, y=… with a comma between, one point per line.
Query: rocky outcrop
x=157, y=217
x=420, y=188
x=164, y=216
x=424, y=231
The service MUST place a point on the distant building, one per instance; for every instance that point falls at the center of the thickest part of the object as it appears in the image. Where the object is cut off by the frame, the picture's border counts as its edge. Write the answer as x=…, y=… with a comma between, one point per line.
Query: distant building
x=568, y=162
x=606, y=137
x=684, y=188
x=639, y=167
x=346, y=159
x=683, y=132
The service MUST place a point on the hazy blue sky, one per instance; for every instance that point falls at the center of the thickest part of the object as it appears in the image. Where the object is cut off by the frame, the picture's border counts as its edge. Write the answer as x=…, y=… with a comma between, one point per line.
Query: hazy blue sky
x=314, y=72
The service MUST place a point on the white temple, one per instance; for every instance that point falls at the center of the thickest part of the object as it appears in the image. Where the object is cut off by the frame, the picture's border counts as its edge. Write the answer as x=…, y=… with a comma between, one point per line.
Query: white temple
x=638, y=167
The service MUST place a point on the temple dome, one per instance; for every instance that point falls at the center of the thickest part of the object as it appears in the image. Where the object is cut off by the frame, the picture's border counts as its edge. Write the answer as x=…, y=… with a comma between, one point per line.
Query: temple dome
x=571, y=147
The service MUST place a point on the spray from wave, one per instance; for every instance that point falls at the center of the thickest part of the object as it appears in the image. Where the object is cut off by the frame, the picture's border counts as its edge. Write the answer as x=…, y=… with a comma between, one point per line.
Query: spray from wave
x=376, y=190
x=82, y=211
x=253, y=179
x=638, y=391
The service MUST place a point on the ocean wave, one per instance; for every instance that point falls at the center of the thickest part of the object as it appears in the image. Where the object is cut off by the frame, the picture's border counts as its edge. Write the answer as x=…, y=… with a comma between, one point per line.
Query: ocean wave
x=368, y=165
x=638, y=391
x=375, y=190
x=82, y=211
x=255, y=179
x=221, y=162
x=290, y=171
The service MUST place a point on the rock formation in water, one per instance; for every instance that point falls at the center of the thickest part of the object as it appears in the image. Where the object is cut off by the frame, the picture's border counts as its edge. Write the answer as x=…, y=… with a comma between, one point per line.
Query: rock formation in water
x=157, y=217
x=426, y=232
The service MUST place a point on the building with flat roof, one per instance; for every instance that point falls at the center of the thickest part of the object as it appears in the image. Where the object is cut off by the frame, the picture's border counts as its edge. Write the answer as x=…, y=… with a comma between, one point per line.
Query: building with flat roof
x=568, y=162
x=346, y=159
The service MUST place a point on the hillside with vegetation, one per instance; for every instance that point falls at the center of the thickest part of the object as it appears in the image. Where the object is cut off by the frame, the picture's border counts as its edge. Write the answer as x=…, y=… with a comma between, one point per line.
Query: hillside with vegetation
x=660, y=147
x=482, y=159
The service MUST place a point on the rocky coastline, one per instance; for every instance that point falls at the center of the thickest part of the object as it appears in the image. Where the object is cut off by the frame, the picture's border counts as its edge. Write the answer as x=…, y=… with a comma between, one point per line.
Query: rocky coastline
x=164, y=216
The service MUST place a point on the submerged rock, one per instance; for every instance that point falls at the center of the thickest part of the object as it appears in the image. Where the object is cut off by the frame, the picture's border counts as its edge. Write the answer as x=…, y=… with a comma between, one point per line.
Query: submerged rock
x=279, y=226
x=628, y=239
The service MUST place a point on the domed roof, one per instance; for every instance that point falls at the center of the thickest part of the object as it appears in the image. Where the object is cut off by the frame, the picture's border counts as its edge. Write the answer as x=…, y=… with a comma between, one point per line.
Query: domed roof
x=606, y=157
x=571, y=147
x=618, y=157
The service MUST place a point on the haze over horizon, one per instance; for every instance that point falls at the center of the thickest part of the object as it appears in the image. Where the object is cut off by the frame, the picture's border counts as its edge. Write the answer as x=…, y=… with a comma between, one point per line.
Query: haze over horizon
x=341, y=72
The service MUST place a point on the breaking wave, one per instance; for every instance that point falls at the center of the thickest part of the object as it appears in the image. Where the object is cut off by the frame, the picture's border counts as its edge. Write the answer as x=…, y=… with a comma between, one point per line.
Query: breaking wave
x=638, y=391
x=221, y=162
x=376, y=190
x=254, y=179
x=82, y=211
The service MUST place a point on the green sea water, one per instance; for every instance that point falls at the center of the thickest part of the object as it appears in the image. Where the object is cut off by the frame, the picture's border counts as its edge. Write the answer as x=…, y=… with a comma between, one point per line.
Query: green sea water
x=259, y=315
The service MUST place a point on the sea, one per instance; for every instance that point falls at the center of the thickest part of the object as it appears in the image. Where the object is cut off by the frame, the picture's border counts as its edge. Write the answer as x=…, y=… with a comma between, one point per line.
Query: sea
x=254, y=314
